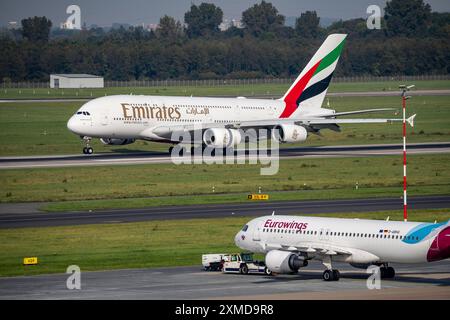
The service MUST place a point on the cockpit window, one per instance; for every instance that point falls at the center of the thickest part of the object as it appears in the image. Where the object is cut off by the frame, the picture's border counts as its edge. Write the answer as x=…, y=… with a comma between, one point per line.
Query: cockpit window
x=84, y=113
x=245, y=228
x=79, y=112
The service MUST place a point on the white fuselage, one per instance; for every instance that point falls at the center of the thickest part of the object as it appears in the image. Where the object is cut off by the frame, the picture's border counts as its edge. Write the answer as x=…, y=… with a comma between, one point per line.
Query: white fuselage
x=367, y=241
x=139, y=117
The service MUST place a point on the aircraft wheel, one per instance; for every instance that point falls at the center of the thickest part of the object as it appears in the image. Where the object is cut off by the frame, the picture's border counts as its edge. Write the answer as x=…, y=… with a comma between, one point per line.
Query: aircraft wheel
x=89, y=150
x=267, y=271
x=389, y=272
x=336, y=275
x=327, y=275
x=84, y=150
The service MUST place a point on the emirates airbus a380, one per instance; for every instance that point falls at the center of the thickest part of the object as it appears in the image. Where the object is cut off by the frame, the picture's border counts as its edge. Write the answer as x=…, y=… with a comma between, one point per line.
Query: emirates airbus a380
x=289, y=242
x=121, y=119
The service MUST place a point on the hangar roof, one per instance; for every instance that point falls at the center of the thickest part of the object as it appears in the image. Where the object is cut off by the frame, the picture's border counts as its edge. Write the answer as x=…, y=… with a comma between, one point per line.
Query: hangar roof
x=76, y=75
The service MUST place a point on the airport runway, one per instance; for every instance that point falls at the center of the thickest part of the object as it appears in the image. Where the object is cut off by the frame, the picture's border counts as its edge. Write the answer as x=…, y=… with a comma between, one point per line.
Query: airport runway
x=164, y=157
x=41, y=219
x=437, y=92
x=421, y=281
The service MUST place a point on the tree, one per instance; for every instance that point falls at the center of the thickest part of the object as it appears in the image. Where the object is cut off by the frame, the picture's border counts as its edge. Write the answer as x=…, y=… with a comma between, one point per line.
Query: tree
x=36, y=29
x=308, y=24
x=262, y=18
x=203, y=19
x=407, y=17
x=169, y=29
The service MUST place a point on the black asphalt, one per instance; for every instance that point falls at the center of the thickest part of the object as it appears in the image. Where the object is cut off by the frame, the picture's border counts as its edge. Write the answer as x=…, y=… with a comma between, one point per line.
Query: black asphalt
x=123, y=154
x=41, y=219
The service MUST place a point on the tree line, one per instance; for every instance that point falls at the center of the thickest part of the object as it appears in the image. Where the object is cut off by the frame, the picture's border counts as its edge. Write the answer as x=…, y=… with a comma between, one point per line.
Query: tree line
x=412, y=40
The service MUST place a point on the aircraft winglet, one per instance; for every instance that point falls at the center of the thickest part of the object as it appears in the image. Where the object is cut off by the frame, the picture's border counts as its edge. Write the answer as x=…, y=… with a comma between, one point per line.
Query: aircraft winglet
x=411, y=120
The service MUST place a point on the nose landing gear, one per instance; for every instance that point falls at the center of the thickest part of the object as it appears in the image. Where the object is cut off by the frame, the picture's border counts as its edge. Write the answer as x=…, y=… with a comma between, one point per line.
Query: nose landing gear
x=87, y=149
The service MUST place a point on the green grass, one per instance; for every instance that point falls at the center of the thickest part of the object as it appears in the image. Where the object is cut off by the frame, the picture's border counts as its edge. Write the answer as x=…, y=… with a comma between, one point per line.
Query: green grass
x=321, y=194
x=40, y=128
x=138, y=245
x=232, y=90
x=305, y=179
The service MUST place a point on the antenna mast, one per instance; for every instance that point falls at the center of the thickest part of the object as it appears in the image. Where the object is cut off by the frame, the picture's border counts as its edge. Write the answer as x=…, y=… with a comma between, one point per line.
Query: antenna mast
x=404, y=89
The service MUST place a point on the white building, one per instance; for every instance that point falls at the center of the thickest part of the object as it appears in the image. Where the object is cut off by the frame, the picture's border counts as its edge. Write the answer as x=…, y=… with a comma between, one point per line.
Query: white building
x=76, y=81
x=227, y=24
x=66, y=25
x=12, y=25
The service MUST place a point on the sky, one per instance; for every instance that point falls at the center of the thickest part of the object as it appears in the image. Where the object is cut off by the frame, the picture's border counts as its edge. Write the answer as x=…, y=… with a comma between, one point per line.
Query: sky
x=135, y=12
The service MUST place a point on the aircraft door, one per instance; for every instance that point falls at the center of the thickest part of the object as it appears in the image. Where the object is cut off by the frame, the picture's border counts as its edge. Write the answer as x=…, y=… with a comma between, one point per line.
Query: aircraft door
x=324, y=234
x=104, y=119
x=257, y=233
x=237, y=110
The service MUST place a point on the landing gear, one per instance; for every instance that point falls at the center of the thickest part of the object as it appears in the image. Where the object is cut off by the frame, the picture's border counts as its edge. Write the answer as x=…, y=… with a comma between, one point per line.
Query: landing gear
x=387, y=272
x=181, y=151
x=330, y=274
x=87, y=149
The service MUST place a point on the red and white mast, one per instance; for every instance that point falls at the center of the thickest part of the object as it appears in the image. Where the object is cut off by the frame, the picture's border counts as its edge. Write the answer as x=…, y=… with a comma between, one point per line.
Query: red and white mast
x=404, y=98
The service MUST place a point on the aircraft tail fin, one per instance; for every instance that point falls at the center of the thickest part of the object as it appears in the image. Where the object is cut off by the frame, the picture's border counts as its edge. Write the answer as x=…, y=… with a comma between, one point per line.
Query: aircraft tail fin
x=310, y=87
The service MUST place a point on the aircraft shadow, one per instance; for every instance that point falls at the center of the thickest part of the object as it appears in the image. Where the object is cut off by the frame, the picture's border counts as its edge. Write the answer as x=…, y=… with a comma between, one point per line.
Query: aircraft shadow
x=400, y=278
x=139, y=152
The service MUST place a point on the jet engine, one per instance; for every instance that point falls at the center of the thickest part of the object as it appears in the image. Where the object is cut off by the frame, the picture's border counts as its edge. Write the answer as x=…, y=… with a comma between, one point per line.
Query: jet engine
x=289, y=133
x=221, y=137
x=284, y=261
x=361, y=265
x=116, y=141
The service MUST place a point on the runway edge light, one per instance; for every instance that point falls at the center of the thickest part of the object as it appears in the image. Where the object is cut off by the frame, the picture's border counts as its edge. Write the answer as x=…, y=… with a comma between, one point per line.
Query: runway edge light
x=30, y=261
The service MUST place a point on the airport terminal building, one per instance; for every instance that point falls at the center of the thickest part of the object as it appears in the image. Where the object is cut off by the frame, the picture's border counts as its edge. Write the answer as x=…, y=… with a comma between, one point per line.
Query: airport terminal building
x=76, y=81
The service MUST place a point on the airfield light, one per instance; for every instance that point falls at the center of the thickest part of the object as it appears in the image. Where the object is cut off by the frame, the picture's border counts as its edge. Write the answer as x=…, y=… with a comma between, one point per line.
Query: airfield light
x=404, y=89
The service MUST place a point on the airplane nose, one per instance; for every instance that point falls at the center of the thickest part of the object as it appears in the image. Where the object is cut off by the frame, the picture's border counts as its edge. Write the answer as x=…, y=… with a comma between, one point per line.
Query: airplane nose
x=72, y=125
x=237, y=239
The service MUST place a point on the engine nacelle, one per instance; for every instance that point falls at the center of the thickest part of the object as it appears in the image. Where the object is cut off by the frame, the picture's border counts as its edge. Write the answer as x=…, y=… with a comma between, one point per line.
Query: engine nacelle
x=361, y=265
x=284, y=261
x=289, y=133
x=116, y=141
x=221, y=137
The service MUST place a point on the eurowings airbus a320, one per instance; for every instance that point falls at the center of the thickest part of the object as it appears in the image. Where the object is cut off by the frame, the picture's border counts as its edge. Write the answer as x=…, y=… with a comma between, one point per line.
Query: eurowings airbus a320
x=289, y=242
x=121, y=119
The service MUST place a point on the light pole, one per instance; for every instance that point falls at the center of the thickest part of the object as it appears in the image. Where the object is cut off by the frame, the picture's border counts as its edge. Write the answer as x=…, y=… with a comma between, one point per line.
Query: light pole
x=404, y=89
